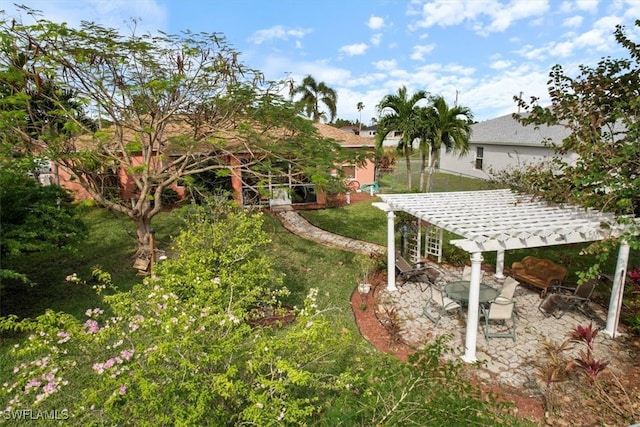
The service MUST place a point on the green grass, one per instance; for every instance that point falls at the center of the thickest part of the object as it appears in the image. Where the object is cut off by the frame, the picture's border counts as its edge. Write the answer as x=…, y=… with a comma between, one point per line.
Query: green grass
x=396, y=182
x=309, y=265
x=110, y=246
x=359, y=221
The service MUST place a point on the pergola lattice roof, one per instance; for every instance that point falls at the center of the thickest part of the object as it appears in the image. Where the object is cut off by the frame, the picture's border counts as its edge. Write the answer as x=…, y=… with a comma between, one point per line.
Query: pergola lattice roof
x=494, y=220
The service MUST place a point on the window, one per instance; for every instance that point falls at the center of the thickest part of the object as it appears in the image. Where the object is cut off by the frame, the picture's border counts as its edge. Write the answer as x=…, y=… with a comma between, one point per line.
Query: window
x=479, y=157
x=397, y=134
x=349, y=171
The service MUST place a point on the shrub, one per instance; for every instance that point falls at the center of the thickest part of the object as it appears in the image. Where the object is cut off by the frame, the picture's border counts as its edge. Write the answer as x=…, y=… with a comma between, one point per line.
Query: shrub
x=177, y=350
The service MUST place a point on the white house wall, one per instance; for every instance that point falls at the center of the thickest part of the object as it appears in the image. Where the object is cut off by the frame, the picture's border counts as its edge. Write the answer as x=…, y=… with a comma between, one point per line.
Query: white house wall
x=495, y=158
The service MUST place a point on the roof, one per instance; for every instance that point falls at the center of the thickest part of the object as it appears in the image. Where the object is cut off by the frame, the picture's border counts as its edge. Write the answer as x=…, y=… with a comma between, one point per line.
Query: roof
x=505, y=130
x=346, y=139
x=492, y=220
x=228, y=134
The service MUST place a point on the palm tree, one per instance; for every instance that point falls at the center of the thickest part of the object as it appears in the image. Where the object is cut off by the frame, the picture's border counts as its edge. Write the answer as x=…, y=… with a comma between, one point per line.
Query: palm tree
x=313, y=94
x=443, y=127
x=402, y=115
x=360, y=107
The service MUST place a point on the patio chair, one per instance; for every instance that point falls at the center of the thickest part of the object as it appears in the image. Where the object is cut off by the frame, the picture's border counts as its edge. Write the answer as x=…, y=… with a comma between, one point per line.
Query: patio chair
x=421, y=272
x=440, y=303
x=561, y=299
x=508, y=288
x=466, y=273
x=501, y=311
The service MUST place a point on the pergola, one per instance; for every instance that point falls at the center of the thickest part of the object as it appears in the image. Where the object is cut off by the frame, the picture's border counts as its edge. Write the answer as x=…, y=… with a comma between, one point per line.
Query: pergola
x=501, y=220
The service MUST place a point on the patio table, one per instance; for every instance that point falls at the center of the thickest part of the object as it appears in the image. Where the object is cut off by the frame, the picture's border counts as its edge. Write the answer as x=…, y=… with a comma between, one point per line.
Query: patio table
x=459, y=291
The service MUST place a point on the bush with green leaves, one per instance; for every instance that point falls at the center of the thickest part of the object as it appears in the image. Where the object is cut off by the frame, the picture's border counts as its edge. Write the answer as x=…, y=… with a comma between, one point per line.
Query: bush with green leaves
x=34, y=218
x=176, y=349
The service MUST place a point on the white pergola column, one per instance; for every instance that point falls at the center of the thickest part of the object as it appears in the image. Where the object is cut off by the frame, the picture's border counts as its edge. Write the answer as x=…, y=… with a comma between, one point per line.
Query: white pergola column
x=391, y=251
x=473, y=310
x=615, y=303
x=500, y=264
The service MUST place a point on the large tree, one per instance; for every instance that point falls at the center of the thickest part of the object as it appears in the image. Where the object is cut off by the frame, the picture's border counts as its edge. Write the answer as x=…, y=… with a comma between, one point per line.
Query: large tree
x=400, y=113
x=443, y=127
x=312, y=94
x=601, y=108
x=175, y=106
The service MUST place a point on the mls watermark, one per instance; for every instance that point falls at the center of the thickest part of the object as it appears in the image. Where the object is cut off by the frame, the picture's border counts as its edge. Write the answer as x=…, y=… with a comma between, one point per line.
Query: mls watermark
x=35, y=414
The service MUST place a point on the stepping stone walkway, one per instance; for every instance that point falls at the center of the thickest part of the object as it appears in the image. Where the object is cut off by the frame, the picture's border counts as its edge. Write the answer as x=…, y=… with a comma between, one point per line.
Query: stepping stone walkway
x=296, y=224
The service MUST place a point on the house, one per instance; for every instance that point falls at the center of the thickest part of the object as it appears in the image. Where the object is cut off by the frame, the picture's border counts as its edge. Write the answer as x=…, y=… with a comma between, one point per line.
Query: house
x=281, y=190
x=504, y=144
x=305, y=196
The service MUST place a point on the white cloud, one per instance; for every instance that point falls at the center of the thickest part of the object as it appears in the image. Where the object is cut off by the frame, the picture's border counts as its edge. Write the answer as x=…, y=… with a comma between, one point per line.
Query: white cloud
x=354, y=49
x=587, y=5
x=375, y=22
x=376, y=39
x=503, y=17
x=386, y=65
x=278, y=32
x=500, y=64
x=499, y=16
x=420, y=51
x=562, y=50
x=573, y=22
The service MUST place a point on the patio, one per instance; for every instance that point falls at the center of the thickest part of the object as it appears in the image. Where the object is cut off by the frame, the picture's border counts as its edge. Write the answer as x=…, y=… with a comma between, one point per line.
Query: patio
x=500, y=359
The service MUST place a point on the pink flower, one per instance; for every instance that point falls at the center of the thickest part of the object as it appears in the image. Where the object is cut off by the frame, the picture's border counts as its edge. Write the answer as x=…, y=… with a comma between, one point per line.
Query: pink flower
x=50, y=387
x=123, y=390
x=32, y=383
x=91, y=326
x=64, y=336
x=126, y=354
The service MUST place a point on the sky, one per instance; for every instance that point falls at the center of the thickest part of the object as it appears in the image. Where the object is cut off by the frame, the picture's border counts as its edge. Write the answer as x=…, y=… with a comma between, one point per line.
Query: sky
x=476, y=53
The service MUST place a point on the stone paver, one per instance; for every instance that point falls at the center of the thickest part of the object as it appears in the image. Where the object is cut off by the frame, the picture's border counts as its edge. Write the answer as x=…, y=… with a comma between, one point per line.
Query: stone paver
x=296, y=224
x=500, y=359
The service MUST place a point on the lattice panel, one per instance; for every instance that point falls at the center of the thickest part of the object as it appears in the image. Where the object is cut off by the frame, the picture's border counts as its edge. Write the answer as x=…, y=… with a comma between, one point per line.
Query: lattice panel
x=433, y=242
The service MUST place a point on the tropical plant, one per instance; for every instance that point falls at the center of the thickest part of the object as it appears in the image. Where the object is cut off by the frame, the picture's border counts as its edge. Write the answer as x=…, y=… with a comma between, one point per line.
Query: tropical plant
x=312, y=95
x=176, y=106
x=441, y=127
x=360, y=107
x=400, y=113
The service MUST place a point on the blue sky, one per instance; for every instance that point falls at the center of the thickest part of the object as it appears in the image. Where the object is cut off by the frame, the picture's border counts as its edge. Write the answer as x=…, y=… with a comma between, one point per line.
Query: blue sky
x=479, y=52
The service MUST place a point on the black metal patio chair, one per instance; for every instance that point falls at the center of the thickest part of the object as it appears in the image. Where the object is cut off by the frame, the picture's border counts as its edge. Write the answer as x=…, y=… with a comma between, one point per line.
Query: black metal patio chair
x=561, y=299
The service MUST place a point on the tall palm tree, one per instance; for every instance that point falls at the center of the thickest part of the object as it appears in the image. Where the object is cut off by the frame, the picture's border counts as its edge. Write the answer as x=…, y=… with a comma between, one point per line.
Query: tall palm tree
x=360, y=107
x=399, y=112
x=423, y=132
x=313, y=94
x=445, y=127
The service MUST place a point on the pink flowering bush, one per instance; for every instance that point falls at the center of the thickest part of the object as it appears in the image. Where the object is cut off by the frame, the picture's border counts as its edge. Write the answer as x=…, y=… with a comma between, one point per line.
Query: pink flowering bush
x=176, y=349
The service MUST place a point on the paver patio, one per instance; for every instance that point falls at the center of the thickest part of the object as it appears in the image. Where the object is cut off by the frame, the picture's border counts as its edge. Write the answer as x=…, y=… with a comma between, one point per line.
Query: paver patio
x=500, y=359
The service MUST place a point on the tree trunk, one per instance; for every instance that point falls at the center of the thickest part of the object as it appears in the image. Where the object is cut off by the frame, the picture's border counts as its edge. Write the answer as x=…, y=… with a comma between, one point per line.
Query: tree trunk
x=423, y=167
x=143, y=237
x=407, y=156
x=432, y=161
